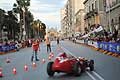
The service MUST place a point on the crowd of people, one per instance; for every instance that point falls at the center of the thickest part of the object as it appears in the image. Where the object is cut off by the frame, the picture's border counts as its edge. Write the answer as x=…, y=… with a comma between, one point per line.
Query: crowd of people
x=18, y=43
x=103, y=35
x=34, y=43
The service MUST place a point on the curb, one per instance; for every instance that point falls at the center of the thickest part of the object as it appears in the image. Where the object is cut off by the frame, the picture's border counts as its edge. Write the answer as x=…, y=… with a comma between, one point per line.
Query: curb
x=3, y=53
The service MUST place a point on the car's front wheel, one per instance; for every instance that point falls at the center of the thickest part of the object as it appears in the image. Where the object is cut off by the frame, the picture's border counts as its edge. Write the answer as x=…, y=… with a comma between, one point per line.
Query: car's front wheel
x=49, y=69
x=77, y=69
x=91, y=65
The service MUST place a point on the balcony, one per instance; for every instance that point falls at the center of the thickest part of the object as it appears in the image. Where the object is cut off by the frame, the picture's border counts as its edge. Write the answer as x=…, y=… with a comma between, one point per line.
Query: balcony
x=114, y=6
x=91, y=13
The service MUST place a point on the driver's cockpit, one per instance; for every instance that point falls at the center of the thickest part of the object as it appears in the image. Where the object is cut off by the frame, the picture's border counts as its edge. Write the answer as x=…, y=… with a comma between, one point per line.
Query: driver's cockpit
x=65, y=55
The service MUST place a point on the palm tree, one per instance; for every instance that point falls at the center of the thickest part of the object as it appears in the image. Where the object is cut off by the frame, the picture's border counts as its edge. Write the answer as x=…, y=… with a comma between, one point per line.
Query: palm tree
x=43, y=30
x=21, y=7
x=34, y=28
x=11, y=22
x=2, y=14
x=29, y=19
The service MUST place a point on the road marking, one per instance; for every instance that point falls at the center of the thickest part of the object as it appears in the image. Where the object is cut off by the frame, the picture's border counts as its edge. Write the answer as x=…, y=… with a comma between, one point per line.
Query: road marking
x=90, y=75
x=68, y=51
x=96, y=74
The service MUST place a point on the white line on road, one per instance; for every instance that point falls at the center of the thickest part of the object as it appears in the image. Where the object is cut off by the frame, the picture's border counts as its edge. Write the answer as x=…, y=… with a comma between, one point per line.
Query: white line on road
x=97, y=75
x=90, y=75
x=68, y=51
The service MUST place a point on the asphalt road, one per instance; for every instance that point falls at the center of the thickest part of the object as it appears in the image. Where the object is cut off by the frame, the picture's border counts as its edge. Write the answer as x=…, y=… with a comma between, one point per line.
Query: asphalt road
x=106, y=67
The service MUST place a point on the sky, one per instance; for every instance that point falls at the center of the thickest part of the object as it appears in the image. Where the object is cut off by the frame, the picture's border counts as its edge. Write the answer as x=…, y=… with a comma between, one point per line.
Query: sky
x=48, y=11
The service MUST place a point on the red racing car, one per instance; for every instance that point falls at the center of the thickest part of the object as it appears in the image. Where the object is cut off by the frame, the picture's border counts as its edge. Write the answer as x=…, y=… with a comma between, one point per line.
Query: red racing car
x=68, y=63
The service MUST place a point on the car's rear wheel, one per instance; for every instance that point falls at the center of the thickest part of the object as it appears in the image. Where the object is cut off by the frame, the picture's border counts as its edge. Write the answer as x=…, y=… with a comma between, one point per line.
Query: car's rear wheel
x=91, y=65
x=83, y=66
x=77, y=69
x=49, y=69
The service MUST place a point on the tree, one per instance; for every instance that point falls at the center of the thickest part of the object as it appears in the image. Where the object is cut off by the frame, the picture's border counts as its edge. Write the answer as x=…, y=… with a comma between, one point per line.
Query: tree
x=2, y=15
x=29, y=19
x=11, y=22
x=43, y=30
x=39, y=28
x=21, y=7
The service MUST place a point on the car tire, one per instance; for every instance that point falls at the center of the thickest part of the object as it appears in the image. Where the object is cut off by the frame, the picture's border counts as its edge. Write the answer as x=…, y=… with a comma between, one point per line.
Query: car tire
x=91, y=65
x=50, y=72
x=83, y=66
x=77, y=69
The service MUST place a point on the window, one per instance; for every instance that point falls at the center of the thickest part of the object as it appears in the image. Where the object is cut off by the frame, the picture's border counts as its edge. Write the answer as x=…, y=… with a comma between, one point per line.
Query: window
x=96, y=5
x=112, y=22
x=119, y=22
x=92, y=6
x=89, y=8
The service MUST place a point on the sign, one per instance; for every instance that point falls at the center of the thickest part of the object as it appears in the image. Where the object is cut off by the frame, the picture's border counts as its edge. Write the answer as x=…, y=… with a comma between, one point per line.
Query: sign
x=109, y=46
x=6, y=48
x=98, y=29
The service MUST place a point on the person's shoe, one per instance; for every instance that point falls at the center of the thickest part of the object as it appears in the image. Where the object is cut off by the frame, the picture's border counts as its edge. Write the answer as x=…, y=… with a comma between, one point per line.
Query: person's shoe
x=31, y=60
x=37, y=59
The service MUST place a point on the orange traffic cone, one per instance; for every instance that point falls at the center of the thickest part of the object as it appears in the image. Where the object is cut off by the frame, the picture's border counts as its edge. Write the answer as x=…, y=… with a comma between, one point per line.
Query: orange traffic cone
x=14, y=71
x=25, y=68
x=1, y=75
x=7, y=60
x=34, y=64
x=43, y=60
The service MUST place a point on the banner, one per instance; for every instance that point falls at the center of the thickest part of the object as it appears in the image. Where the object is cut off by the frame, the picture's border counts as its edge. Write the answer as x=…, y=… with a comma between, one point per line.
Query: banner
x=100, y=28
x=109, y=46
x=6, y=48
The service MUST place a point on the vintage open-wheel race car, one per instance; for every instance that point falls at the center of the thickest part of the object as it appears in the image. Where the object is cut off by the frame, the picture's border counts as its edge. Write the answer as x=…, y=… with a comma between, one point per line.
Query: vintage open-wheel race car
x=67, y=63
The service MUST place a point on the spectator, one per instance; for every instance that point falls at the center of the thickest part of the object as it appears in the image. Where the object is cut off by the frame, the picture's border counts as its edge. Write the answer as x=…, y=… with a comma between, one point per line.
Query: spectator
x=115, y=33
x=57, y=40
x=48, y=43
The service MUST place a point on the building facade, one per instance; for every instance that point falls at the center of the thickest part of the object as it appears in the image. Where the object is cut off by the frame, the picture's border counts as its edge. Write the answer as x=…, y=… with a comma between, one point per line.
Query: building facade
x=63, y=21
x=70, y=14
x=79, y=16
x=73, y=9
x=113, y=15
x=95, y=13
x=79, y=21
